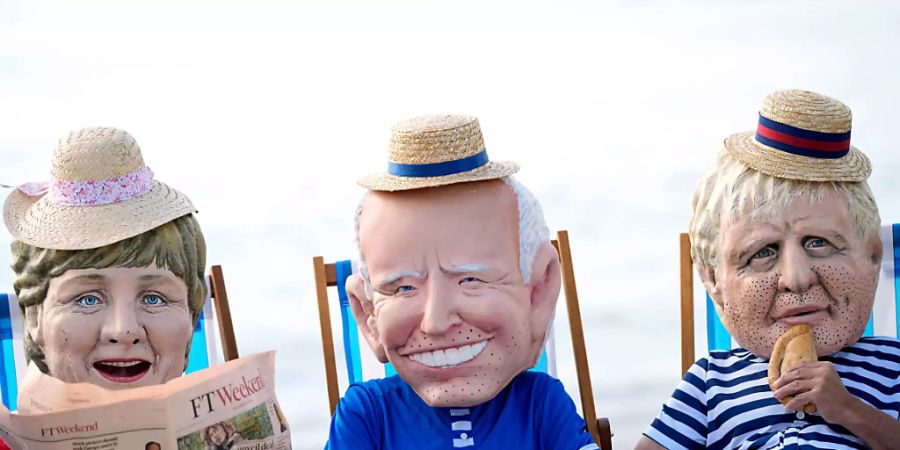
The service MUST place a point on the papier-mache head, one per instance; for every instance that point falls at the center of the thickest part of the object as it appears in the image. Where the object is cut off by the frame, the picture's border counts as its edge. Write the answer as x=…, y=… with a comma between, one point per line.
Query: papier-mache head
x=458, y=279
x=785, y=229
x=109, y=265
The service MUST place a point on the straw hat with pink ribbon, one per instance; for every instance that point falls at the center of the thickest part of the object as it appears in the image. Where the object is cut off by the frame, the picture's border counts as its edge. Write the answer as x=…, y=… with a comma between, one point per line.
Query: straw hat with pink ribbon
x=801, y=135
x=437, y=150
x=100, y=192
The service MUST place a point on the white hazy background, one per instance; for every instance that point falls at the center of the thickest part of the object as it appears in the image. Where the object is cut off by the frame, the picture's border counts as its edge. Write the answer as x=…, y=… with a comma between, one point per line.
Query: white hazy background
x=266, y=114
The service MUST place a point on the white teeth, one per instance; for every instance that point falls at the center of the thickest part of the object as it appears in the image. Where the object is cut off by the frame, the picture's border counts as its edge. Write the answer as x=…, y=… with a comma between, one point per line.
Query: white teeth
x=449, y=357
x=120, y=363
x=452, y=356
x=440, y=358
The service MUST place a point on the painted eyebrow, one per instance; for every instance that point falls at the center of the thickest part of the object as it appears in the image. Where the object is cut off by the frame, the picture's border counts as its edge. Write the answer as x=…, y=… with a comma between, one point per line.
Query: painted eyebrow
x=87, y=277
x=398, y=275
x=146, y=278
x=468, y=268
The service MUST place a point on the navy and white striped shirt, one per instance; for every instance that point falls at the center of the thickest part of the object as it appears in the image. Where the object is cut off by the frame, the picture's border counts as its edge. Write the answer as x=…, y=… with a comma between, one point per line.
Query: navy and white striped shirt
x=724, y=401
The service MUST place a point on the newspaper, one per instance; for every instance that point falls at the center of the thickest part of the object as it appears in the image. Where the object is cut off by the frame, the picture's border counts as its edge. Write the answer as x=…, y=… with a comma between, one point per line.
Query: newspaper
x=227, y=407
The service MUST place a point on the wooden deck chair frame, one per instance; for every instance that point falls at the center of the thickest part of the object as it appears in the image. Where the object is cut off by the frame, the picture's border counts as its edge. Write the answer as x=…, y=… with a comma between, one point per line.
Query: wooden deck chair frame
x=326, y=276
x=223, y=313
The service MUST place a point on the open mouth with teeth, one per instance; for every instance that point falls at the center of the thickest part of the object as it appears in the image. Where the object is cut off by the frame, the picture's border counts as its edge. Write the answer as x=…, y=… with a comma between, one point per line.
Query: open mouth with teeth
x=122, y=370
x=449, y=357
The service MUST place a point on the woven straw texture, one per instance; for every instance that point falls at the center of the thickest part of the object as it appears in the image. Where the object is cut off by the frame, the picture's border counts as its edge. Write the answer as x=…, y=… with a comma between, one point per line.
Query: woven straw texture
x=92, y=154
x=436, y=139
x=809, y=111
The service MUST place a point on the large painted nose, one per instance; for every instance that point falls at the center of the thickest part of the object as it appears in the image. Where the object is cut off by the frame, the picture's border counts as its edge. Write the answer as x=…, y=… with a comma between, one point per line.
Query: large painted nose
x=797, y=274
x=441, y=308
x=122, y=325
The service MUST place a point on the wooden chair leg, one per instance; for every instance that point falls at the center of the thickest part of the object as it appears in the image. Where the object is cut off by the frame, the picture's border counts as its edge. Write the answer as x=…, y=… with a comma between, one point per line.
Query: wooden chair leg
x=605, y=434
x=223, y=313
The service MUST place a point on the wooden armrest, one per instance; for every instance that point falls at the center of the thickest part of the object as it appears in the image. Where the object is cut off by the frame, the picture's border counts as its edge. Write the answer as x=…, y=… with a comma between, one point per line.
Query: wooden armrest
x=605, y=433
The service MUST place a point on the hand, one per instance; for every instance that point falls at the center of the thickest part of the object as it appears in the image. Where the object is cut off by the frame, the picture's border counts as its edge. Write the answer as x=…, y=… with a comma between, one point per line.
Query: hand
x=818, y=383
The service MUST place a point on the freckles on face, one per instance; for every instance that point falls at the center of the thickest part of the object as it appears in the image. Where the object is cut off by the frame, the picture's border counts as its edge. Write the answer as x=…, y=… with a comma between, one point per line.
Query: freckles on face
x=846, y=295
x=853, y=292
x=502, y=358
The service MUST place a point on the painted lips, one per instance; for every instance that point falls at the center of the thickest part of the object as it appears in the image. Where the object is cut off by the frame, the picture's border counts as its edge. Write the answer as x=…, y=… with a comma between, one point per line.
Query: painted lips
x=122, y=370
x=807, y=314
x=449, y=357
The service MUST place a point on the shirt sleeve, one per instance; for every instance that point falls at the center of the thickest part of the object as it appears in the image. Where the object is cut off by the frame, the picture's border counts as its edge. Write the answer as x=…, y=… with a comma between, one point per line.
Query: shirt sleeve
x=682, y=423
x=354, y=425
x=561, y=428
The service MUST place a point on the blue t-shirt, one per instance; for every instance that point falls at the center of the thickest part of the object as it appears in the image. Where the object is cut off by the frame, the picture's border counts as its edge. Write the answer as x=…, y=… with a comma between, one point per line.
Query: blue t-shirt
x=725, y=402
x=532, y=412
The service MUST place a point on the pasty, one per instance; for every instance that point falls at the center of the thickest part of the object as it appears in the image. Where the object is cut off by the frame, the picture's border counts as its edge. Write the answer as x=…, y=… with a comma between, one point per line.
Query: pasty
x=793, y=347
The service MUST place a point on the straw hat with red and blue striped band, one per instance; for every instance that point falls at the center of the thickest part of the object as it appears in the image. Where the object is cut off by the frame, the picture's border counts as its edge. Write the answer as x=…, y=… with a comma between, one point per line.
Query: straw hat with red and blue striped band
x=437, y=150
x=801, y=135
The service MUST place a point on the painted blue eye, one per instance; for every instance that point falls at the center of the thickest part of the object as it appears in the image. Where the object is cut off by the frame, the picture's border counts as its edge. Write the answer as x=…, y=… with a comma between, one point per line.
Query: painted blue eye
x=816, y=243
x=764, y=253
x=468, y=280
x=404, y=288
x=88, y=301
x=153, y=300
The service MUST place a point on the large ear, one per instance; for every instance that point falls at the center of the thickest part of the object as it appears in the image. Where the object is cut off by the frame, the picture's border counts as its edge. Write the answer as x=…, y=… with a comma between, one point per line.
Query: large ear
x=545, y=283
x=708, y=277
x=33, y=324
x=364, y=313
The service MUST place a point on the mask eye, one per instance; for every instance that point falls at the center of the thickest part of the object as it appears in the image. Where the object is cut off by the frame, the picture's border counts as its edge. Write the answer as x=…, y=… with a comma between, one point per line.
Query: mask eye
x=765, y=253
x=404, y=289
x=88, y=301
x=468, y=280
x=815, y=243
x=153, y=300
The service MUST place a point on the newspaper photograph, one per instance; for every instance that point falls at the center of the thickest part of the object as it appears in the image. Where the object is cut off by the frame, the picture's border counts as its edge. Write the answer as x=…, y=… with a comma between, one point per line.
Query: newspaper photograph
x=227, y=407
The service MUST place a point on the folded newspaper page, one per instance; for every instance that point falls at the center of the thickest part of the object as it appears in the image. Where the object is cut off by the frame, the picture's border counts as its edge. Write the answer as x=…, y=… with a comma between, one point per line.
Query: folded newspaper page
x=227, y=407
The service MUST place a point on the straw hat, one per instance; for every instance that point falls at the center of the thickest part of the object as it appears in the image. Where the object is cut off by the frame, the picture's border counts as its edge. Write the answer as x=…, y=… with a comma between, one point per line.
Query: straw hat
x=801, y=135
x=100, y=193
x=435, y=151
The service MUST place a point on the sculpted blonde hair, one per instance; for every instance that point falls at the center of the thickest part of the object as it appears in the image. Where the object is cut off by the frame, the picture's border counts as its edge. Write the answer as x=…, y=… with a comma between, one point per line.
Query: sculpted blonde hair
x=177, y=246
x=731, y=190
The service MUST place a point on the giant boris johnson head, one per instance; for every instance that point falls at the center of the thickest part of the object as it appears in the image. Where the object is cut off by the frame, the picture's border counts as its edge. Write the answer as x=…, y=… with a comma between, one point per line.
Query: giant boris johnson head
x=785, y=230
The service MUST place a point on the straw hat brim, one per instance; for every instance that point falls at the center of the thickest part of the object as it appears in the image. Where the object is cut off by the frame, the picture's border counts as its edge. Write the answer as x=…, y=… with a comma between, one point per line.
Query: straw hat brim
x=40, y=223
x=490, y=171
x=854, y=166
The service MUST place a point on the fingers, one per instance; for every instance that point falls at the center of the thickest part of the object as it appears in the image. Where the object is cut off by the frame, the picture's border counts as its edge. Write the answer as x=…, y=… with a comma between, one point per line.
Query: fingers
x=794, y=387
x=803, y=371
x=798, y=402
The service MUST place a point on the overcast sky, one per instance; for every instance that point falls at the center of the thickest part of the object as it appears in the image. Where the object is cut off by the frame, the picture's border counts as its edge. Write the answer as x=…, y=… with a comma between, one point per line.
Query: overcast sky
x=266, y=113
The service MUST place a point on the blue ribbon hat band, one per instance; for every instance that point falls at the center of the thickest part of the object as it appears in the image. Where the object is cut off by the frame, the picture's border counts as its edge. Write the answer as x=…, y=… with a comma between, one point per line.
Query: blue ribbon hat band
x=438, y=169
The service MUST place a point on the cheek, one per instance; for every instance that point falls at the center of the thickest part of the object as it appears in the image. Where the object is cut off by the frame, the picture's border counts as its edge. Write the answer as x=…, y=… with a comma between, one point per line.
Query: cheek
x=853, y=293
x=746, y=310
x=396, y=323
x=73, y=334
x=168, y=333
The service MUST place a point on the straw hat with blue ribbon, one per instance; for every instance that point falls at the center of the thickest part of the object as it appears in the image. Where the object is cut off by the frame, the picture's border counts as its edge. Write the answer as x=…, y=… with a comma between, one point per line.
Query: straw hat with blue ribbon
x=435, y=151
x=100, y=192
x=801, y=135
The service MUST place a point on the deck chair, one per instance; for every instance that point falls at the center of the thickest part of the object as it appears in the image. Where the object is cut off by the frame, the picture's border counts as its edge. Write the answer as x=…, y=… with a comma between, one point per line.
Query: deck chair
x=361, y=365
x=884, y=321
x=204, y=349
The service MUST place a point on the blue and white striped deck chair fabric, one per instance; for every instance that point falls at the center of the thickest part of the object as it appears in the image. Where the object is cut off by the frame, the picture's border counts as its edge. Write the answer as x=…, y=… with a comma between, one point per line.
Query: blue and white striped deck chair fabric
x=204, y=347
x=361, y=364
x=885, y=318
